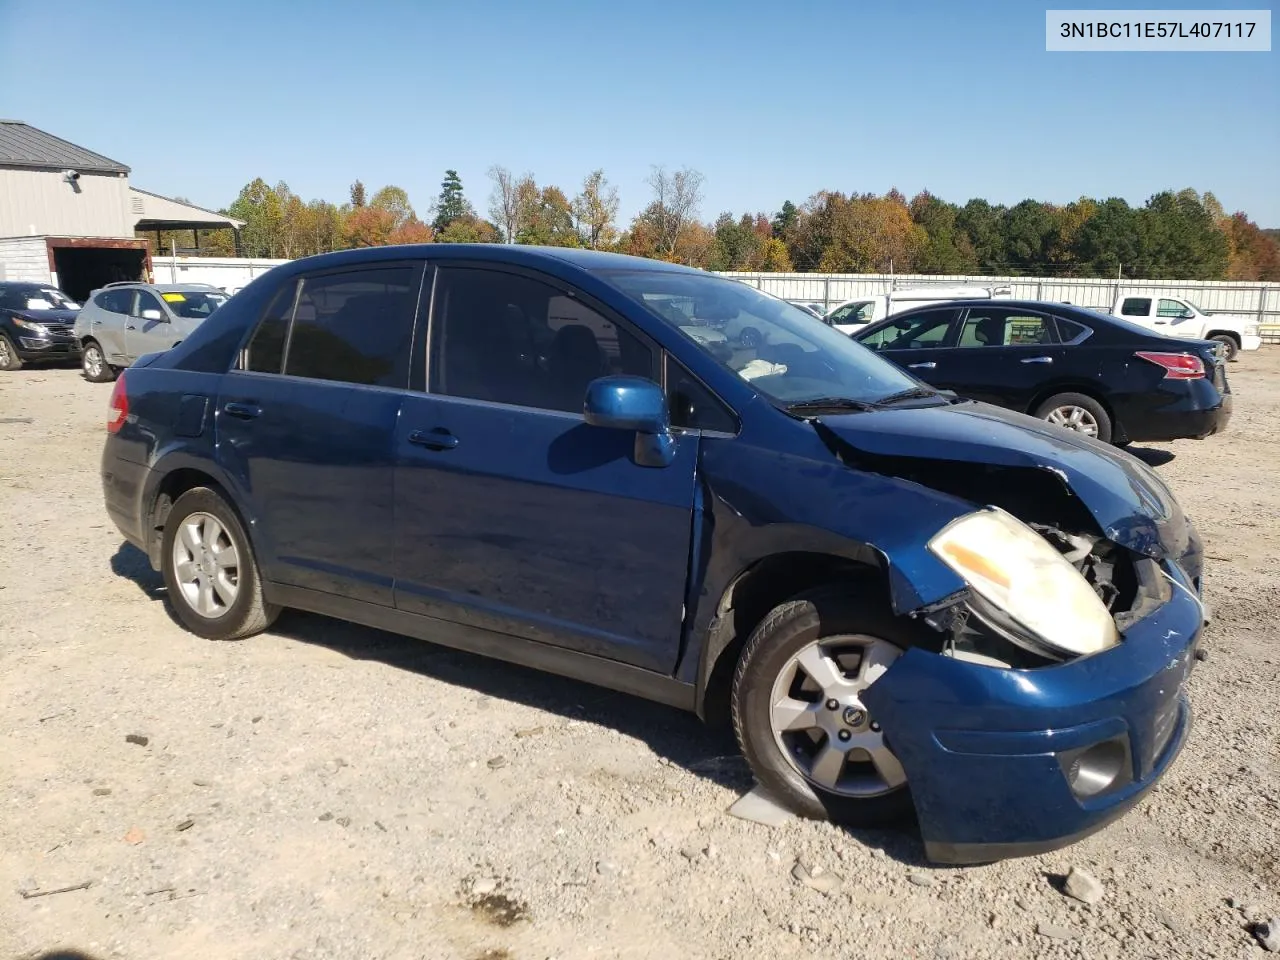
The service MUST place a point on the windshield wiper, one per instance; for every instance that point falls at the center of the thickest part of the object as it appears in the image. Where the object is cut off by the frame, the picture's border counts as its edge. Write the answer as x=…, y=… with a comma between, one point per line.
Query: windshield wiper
x=820, y=404
x=911, y=393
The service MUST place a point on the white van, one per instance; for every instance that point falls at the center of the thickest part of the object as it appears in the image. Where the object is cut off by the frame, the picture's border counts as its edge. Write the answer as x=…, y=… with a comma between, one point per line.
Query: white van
x=852, y=315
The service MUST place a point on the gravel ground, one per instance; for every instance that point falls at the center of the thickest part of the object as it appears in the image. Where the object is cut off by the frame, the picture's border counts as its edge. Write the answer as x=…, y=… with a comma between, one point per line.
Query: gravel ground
x=329, y=791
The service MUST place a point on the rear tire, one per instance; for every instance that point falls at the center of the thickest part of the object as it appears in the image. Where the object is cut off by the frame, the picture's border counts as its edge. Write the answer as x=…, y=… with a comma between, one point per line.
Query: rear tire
x=1079, y=413
x=93, y=363
x=1233, y=348
x=782, y=714
x=9, y=359
x=210, y=572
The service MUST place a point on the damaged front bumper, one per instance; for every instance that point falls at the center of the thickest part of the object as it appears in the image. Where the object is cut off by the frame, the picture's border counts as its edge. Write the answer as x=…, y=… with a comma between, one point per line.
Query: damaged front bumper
x=1009, y=762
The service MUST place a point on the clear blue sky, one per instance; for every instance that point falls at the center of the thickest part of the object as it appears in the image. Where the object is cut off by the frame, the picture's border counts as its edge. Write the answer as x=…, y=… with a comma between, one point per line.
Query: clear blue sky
x=770, y=101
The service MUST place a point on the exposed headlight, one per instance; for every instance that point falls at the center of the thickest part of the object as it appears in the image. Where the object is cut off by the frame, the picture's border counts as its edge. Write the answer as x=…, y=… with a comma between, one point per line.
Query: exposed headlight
x=1251, y=330
x=1017, y=571
x=32, y=326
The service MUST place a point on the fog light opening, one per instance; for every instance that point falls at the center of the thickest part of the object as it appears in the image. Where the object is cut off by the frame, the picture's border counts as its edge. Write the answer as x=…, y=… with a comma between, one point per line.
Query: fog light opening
x=1096, y=768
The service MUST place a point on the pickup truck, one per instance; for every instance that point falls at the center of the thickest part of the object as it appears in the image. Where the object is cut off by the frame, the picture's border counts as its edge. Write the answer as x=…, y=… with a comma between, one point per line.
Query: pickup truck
x=1179, y=317
x=854, y=315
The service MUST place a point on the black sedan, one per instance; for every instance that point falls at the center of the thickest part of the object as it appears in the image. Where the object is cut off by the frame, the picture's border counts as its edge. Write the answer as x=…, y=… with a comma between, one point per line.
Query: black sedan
x=1086, y=371
x=35, y=324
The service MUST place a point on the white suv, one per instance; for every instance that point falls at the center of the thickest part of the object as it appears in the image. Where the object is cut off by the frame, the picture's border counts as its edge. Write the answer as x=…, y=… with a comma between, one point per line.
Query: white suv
x=123, y=321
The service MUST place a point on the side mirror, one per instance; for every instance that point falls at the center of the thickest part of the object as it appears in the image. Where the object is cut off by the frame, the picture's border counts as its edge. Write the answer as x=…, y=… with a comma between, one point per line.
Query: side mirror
x=152, y=315
x=637, y=404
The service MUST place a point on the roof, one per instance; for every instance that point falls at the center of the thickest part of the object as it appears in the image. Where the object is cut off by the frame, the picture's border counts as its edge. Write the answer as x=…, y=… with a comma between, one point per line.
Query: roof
x=155, y=212
x=22, y=145
x=588, y=261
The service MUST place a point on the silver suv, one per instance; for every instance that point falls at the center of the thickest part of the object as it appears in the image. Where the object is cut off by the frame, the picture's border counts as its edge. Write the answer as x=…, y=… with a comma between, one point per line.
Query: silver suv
x=123, y=321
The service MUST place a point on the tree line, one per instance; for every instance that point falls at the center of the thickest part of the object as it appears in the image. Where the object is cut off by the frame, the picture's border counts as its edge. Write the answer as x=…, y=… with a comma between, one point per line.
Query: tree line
x=1181, y=235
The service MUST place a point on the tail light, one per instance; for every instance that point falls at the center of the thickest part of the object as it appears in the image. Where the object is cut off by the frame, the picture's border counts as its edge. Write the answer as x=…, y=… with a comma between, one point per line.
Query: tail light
x=1177, y=366
x=118, y=409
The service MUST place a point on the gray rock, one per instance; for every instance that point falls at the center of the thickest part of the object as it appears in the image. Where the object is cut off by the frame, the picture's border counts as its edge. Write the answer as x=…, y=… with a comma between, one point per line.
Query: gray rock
x=690, y=853
x=1268, y=934
x=920, y=879
x=607, y=868
x=102, y=792
x=497, y=763
x=756, y=807
x=137, y=738
x=824, y=881
x=1056, y=931
x=1084, y=887
x=483, y=886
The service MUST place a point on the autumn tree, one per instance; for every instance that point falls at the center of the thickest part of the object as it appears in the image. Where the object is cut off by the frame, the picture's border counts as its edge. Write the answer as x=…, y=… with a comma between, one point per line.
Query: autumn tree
x=946, y=248
x=1252, y=253
x=452, y=204
x=595, y=210
x=395, y=201
x=676, y=198
x=546, y=217
x=504, y=202
x=468, y=228
x=357, y=195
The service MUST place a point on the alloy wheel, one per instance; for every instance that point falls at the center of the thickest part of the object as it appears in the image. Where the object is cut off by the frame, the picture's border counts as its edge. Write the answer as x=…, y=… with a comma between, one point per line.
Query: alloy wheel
x=821, y=724
x=206, y=565
x=6, y=354
x=93, y=362
x=1074, y=418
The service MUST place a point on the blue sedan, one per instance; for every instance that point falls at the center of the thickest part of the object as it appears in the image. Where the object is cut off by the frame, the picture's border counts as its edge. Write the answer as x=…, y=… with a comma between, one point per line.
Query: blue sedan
x=904, y=601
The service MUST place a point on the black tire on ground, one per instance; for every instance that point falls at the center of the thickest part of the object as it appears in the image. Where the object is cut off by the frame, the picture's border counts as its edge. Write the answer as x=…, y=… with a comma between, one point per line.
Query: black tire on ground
x=1233, y=348
x=105, y=372
x=826, y=612
x=248, y=613
x=1079, y=400
x=9, y=359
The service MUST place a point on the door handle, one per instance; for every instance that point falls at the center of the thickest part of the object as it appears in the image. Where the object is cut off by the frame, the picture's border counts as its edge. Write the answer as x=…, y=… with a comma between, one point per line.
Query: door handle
x=1162, y=323
x=927, y=365
x=242, y=411
x=131, y=327
x=1038, y=360
x=437, y=439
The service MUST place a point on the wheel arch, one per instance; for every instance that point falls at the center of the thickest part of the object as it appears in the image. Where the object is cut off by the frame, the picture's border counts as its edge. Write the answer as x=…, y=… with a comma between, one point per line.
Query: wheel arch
x=751, y=594
x=1225, y=333
x=172, y=483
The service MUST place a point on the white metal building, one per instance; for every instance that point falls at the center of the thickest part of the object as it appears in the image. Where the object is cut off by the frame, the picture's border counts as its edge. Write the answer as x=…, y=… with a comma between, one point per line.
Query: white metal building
x=68, y=216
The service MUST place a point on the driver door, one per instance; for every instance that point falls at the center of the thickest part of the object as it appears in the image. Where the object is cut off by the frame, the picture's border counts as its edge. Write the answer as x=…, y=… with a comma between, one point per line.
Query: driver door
x=917, y=342
x=144, y=333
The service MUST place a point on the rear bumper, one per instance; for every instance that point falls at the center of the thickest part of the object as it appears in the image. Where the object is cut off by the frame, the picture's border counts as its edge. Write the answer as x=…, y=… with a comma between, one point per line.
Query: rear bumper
x=1191, y=410
x=988, y=752
x=123, y=485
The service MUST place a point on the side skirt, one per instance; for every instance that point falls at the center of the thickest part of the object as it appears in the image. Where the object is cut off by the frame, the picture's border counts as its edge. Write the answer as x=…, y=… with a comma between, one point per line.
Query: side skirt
x=528, y=653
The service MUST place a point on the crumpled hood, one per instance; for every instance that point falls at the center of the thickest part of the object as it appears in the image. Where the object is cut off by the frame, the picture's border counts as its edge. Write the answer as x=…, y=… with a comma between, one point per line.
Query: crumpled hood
x=1131, y=505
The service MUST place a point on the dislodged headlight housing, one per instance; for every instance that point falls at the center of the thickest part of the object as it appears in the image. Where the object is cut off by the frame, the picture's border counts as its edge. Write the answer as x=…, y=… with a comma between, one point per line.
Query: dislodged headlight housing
x=1048, y=606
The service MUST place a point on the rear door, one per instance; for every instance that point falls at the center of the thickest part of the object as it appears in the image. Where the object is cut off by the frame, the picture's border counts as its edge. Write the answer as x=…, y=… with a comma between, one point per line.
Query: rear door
x=109, y=321
x=1003, y=355
x=916, y=342
x=150, y=328
x=305, y=426
x=514, y=515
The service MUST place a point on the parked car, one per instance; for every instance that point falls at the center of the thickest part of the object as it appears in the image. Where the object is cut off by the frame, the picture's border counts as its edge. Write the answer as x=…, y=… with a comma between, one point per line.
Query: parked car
x=35, y=324
x=122, y=321
x=1178, y=317
x=817, y=309
x=856, y=569
x=1075, y=368
x=854, y=315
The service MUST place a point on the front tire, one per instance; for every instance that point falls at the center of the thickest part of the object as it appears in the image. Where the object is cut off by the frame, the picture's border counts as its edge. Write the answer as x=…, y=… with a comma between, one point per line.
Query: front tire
x=93, y=363
x=1229, y=342
x=210, y=573
x=9, y=359
x=797, y=709
x=1079, y=413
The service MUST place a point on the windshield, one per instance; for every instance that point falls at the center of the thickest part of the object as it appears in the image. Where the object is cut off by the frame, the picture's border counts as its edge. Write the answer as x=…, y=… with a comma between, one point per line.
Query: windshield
x=783, y=351
x=194, y=305
x=47, y=298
